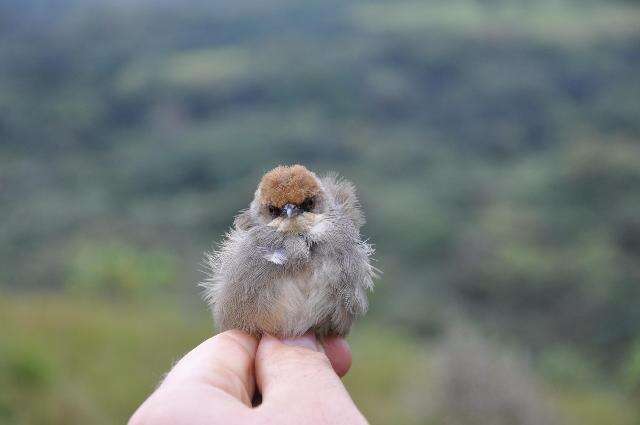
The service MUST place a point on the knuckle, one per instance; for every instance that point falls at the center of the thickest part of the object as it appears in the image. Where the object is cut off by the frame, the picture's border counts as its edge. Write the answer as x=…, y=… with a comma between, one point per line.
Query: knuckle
x=226, y=338
x=228, y=381
x=236, y=340
x=231, y=335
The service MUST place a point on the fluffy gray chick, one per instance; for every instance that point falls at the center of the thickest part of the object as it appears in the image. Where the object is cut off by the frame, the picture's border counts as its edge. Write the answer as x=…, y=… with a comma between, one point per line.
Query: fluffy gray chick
x=294, y=260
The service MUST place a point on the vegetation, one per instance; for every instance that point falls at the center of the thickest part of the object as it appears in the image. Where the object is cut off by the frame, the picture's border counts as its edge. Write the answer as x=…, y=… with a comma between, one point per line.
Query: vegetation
x=494, y=143
x=83, y=360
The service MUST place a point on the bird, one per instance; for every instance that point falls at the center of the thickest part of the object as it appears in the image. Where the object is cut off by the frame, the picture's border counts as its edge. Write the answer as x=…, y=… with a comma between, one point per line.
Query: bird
x=294, y=261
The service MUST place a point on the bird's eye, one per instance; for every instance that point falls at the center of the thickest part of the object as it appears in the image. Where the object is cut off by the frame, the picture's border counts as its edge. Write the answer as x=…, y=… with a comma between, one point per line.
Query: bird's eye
x=274, y=211
x=307, y=205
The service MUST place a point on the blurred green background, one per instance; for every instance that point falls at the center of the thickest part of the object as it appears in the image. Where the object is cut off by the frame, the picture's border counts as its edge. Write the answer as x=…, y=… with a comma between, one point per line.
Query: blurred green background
x=495, y=145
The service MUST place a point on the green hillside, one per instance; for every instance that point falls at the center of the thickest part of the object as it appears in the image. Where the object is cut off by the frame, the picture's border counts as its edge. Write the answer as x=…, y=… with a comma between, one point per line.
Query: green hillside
x=495, y=145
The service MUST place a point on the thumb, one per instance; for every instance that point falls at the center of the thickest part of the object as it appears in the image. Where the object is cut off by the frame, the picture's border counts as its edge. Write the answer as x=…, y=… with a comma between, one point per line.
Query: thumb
x=297, y=382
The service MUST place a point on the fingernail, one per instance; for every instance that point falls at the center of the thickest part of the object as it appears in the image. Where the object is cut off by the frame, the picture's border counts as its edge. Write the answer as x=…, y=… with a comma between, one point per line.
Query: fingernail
x=307, y=341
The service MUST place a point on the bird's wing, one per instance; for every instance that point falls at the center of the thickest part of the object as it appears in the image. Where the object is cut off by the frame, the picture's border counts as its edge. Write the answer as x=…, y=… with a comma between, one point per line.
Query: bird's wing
x=242, y=221
x=344, y=195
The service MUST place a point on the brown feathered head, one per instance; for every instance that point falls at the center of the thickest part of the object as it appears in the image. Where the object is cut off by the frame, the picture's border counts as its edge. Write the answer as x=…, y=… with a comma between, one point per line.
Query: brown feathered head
x=288, y=191
x=288, y=185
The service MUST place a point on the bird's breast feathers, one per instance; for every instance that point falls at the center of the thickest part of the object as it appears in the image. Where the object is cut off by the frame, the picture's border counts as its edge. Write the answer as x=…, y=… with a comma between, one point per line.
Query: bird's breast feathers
x=307, y=228
x=306, y=222
x=301, y=295
x=303, y=299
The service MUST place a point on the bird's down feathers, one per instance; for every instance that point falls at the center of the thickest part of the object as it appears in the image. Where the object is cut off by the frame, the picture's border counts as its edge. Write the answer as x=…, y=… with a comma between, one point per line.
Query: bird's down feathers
x=285, y=276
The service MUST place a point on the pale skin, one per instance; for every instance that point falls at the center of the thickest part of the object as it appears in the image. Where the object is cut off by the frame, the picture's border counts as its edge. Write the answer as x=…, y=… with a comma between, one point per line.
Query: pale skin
x=299, y=380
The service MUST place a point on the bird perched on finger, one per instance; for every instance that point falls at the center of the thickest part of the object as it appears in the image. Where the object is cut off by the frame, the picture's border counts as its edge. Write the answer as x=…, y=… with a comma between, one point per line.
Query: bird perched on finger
x=294, y=261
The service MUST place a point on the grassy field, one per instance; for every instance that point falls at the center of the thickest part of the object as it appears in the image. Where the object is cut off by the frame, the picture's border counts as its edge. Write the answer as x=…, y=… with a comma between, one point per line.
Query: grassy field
x=76, y=360
x=66, y=360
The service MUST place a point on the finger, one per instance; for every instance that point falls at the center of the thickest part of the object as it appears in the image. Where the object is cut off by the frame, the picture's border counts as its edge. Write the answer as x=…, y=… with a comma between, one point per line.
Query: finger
x=225, y=362
x=296, y=377
x=288, y=366
x=339, y=354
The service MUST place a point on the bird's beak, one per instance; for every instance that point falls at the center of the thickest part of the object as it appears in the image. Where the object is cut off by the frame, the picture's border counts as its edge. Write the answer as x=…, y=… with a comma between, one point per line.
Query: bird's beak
x=291, y=210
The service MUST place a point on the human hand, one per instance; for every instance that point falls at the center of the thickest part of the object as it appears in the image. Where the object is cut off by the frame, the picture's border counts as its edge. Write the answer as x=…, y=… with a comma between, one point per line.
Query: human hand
x=215, y=383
